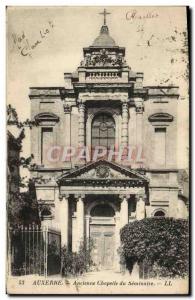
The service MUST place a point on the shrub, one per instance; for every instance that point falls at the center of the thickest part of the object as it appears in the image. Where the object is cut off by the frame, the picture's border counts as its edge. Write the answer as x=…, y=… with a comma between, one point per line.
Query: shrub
x=161, y=243
x=53, y=259
x=73, y=263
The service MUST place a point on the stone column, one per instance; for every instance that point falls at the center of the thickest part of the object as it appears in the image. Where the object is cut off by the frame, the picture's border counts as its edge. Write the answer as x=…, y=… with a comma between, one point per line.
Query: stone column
x=140, y=207
x=74, y=232
x=87, y=224
x=139, y=132
x=67, y=111
x=139, y=122
x=117, y=265
x=67, y=126
x=125, y=115
x=80, y=220
x=81, y=125
x=64, y=219
x=124, y=217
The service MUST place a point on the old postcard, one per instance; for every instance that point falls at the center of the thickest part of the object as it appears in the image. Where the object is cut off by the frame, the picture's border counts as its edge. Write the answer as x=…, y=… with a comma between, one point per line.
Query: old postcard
x=98, y=150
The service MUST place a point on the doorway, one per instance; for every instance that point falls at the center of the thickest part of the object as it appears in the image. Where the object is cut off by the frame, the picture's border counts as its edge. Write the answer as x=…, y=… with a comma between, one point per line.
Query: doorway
x=102, y=235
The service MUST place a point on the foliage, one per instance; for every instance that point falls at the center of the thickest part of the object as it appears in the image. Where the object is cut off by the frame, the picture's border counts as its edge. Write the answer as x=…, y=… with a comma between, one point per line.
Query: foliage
x=28, y=253
x=73, y=263
x=53, y=259
x=12, y=119
x=161, y=242
x=30, y=248
x=22, y=207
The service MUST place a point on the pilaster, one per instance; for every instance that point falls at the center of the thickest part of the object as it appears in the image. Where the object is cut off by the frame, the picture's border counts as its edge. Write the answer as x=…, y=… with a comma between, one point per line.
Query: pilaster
x=81, y=133
x=125, y=119
x=64, y=219
x=80, y=220
x=139, y=108
x=140, y=207
x=67, y=126
x=124, y=210
x=81, y=125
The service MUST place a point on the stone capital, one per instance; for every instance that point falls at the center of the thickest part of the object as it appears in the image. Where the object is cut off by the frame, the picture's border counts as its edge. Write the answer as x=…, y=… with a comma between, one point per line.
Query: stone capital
x=81, y=107
x=125, y=105
x=64, y=197
x=124, y=197
x=125, y=111
x=139, y=107
x=140, y=197
x=79, y=197
x=67, y=109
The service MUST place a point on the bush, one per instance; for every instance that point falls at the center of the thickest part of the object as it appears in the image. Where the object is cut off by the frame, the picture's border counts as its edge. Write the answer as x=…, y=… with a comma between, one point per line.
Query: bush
x=161, y=243
x=73, y=263
x=53, y=259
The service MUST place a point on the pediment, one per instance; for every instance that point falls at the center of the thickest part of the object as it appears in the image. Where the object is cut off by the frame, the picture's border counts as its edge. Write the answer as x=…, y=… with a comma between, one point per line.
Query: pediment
x=101, y=170
x=161, y=117
x=46, y=116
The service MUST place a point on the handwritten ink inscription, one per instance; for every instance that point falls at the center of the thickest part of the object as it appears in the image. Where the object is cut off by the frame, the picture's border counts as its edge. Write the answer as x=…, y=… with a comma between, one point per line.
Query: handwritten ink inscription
x=25, y=46
x=132, y=15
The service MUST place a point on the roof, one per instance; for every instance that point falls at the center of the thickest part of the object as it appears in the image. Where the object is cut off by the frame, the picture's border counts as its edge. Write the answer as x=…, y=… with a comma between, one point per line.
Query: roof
x=104, y=39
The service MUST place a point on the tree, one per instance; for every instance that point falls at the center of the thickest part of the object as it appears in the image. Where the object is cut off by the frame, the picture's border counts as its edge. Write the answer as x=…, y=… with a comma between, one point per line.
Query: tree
x=161, y=242
x=22, y=208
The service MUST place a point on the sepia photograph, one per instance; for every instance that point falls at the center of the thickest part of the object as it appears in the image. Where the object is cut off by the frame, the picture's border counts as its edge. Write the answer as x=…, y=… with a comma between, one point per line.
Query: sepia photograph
x=97, y=108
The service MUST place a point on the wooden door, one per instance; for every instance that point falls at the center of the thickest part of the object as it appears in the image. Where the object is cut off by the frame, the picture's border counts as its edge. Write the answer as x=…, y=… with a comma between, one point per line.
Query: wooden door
x=108, y=250
x=103, y=246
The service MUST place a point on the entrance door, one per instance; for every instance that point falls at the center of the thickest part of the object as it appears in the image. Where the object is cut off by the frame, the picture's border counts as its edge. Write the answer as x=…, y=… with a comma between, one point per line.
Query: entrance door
x=103, y=245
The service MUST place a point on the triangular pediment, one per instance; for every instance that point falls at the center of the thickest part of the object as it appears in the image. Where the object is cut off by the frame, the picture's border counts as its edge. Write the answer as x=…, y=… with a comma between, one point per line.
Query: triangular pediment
x=103, y=169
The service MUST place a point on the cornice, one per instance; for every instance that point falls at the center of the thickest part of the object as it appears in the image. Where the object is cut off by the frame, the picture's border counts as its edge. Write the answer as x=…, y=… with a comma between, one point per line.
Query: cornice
x=45, y=92
x=127, y=182
x=84, y=85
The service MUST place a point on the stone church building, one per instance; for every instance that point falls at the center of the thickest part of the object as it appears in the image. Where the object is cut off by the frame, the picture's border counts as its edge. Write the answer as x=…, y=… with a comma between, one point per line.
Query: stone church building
x=105, y=149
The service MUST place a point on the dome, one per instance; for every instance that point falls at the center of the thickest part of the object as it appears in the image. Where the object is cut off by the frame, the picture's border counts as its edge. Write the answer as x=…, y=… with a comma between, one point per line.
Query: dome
x=104, y=39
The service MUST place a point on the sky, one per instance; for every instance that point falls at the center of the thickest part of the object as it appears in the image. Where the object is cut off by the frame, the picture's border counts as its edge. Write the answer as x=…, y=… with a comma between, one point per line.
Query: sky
x=153, y=38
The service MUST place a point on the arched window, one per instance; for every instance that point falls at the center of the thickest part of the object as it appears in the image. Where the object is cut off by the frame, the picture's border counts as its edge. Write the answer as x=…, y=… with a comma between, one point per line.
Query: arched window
x=102, y=210
x=159, y=213
x=103, y=131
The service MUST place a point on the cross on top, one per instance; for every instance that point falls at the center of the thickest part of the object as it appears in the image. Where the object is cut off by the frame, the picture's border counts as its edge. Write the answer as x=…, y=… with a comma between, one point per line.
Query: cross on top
x=104, y=13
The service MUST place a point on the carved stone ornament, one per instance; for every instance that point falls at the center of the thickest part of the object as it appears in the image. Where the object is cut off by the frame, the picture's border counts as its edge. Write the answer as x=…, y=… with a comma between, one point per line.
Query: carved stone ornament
x=67, y=109
x=103, y=59
x=139, y=108
x=102, y=171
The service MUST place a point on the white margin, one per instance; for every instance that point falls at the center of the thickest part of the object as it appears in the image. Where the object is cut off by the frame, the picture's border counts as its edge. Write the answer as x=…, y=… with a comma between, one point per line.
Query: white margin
x=3, y=4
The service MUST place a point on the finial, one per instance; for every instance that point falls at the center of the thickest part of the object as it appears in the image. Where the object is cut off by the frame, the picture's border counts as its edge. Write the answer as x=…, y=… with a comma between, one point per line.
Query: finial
x=104, y=13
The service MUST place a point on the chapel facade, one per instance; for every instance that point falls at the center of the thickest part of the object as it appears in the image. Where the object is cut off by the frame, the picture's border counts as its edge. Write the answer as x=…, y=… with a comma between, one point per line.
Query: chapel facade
x=105, y=151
